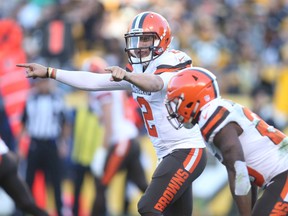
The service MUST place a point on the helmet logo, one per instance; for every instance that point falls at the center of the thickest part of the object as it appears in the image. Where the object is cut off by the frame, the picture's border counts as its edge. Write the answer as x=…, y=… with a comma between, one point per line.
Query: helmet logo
x=195, y=78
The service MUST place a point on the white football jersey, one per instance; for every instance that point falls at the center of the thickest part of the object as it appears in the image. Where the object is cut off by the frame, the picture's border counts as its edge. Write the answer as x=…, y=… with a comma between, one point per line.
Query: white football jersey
x=3, y=148
x=122, y=127
x=265, y=148
x=162, y=134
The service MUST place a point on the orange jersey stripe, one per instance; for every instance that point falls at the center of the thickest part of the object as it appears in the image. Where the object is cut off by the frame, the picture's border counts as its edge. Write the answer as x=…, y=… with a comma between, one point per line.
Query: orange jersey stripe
x=192, y=159
x=112, y=167
x=275, y=136
x=129, y=68
x=115, y=161
x=214, y=121
x=170, y=68
x=259, y=179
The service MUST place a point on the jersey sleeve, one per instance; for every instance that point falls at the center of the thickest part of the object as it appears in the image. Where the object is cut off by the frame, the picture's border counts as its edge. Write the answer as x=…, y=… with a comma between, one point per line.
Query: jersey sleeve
x=166, y=78
x=90, y=81
x=174, y=61
x=216, y=116
x=129, y=67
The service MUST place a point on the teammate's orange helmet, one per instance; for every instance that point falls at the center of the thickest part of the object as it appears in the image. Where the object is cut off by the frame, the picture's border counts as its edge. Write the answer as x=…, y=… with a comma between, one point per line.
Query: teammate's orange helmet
x=188, y=91
x=147, y=27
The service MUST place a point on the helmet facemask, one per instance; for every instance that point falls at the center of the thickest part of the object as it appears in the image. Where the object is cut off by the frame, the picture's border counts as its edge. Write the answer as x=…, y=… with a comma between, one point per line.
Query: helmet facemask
x=142, y=47
x=173, y=117
x=178, y=119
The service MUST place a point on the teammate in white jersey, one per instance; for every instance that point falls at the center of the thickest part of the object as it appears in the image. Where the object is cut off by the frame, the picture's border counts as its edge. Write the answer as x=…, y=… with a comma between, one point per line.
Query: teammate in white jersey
x=152, y=64
x=120, y=149
x=121, y=146
x=253, y=152
x=14, y=185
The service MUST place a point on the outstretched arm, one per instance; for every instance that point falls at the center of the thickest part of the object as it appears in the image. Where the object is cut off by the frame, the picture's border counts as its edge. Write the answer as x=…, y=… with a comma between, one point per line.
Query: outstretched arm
x=233, y=158
x=79, y=79
x=145, y=82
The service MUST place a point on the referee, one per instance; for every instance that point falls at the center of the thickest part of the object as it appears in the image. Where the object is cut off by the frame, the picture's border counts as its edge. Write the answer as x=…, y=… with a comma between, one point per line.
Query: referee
x=44, y=122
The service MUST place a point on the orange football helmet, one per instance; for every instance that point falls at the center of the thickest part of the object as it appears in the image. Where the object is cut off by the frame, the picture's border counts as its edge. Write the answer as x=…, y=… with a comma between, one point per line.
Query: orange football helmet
x=148, y=36
x=188, y=91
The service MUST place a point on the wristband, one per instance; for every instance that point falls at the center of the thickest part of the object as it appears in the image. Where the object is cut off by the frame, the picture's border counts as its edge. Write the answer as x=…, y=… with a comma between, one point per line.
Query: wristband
x=51, y=73
x=242, y=181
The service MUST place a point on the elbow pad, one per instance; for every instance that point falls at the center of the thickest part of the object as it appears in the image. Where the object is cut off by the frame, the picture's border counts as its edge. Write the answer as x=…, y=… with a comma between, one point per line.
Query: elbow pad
x=242, y=180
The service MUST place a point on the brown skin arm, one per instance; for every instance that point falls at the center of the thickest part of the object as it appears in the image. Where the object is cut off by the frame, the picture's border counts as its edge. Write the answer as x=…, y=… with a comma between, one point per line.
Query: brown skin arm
x=228, y=142
x=145, y=82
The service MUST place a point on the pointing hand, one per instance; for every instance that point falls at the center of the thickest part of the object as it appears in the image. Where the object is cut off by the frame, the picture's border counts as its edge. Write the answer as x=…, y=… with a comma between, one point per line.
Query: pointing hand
x=34, y=70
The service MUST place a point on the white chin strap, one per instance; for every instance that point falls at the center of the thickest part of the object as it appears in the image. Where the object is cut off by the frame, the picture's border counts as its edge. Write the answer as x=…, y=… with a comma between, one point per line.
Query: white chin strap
x=144, y=59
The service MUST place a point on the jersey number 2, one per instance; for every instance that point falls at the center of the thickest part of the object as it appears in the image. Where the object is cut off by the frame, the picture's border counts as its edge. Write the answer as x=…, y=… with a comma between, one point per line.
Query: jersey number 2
x=147, y=115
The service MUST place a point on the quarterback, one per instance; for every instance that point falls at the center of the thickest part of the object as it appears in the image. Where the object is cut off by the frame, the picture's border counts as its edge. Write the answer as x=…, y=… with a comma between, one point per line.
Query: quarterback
x=181, y=154
x=255, y=154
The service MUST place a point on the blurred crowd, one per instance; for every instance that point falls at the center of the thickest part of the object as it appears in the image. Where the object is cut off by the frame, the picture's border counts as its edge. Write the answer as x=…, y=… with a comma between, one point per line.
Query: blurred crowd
x=244, y=42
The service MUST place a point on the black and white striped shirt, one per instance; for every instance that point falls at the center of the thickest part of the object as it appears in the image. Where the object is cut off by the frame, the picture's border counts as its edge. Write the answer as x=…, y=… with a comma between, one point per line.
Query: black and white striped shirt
x=44, y=115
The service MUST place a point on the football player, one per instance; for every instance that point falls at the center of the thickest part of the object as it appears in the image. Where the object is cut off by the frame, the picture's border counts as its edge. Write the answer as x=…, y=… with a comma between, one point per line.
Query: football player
x=253, y=152
x=13, y=185
x=181, y=154
x=120, y=149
